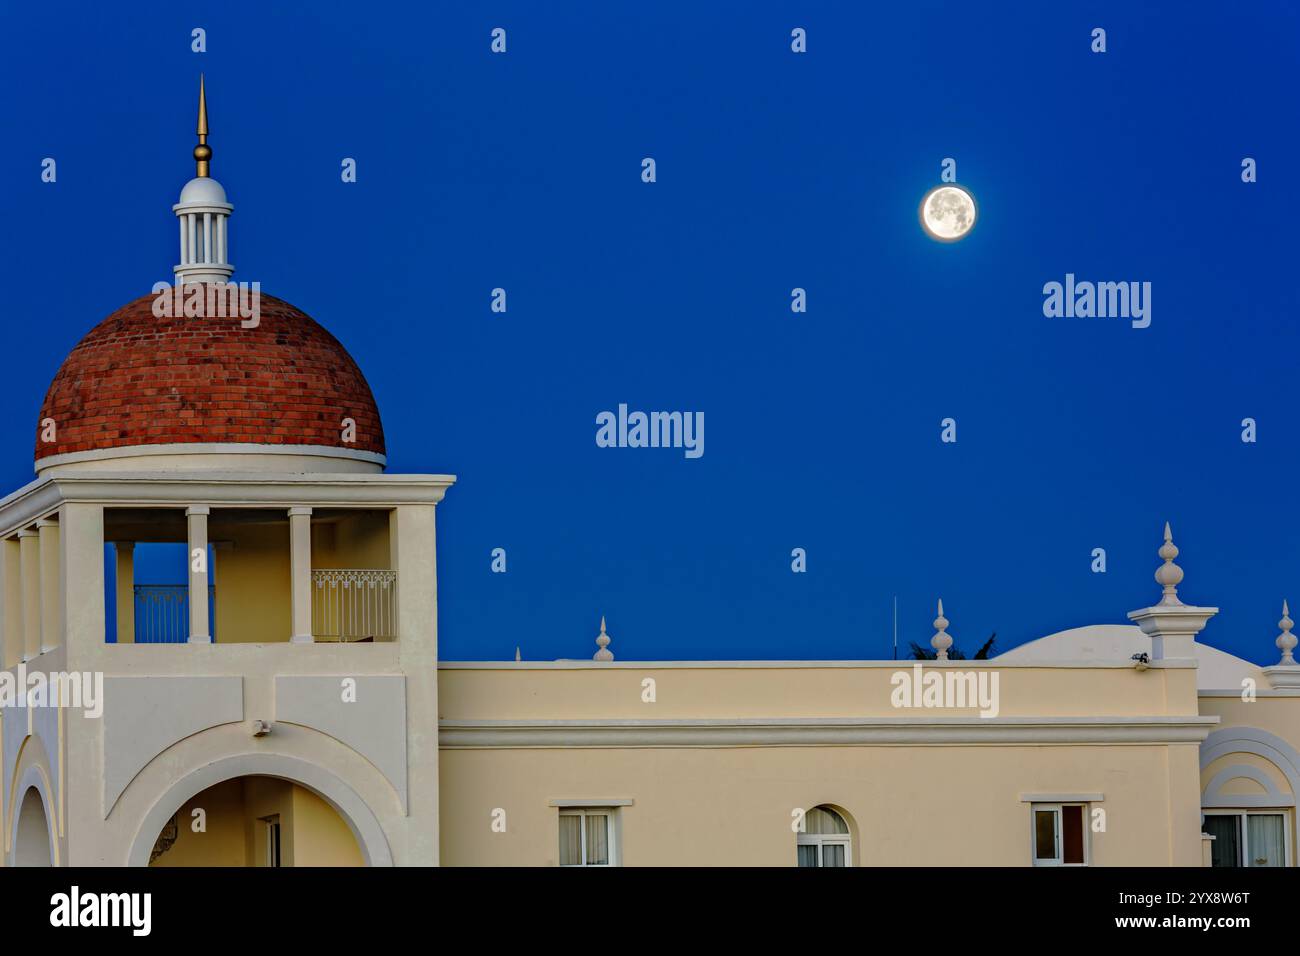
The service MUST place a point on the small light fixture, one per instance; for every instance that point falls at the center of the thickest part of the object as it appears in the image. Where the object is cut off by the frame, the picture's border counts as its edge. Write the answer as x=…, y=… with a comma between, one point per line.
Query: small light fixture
x=261, y=728
x=1140, y=661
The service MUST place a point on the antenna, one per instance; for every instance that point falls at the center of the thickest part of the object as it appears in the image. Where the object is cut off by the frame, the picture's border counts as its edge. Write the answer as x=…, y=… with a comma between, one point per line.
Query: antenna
x=895, y=627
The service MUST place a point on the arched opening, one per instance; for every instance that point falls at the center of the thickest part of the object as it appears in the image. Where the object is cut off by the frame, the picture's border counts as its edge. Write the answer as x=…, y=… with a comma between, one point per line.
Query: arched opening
x=1250, y=780
x=256, y=821
x=32, y=839
x=824, y=839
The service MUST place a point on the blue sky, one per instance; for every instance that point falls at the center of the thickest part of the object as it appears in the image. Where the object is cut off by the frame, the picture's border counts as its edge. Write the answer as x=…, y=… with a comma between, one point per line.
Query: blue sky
x=775, y=171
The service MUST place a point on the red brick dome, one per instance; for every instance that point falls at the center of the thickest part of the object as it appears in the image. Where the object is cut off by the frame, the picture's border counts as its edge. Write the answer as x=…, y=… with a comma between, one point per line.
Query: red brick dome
x=136, y=379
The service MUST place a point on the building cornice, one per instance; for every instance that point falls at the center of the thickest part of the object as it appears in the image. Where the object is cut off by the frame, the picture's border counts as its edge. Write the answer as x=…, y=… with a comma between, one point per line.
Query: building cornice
x=994, y=664
x=208, y=448
x=220, y=489
x=822, y=731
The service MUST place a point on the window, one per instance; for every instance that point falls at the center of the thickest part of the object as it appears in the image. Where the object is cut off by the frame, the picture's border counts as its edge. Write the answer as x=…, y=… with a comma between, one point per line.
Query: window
x=587, y=837
x=1060, y=834
x=271, y=826
x=823, y=839
x=1248, y=838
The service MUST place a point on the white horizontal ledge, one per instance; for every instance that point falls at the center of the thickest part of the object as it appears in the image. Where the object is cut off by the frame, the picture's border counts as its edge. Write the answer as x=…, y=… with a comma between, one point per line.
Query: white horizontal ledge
x=209, y=448
x=993, y=664
x=593, y=802
x=219, y=489
x=821, y=731
x=1062, y=798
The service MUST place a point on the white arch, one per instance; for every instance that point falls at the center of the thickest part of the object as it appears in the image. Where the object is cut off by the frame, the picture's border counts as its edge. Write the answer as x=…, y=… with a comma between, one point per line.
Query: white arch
x=1272, y=796
x=356, y=814
x=32, y=779
x=1250, y=740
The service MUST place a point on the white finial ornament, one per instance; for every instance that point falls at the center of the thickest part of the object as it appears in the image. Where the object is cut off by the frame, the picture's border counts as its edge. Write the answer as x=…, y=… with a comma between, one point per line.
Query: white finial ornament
x=1286, y=641
x=602, y=641
x=941, y=640
x=203, y=213
x=1171, y=624
x=1169, y=575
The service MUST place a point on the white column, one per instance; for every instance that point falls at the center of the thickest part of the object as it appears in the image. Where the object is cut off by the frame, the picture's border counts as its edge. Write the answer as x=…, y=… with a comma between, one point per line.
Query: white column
x=125, y=578
x=81, y=767
x=184, y=240
x=221, y=238
x=412, y=549
x=11, y=602
x=300, y=574
x=29, y=546
x=51, y=626
x=207, y=237
x=194, y=245
x=198, y=558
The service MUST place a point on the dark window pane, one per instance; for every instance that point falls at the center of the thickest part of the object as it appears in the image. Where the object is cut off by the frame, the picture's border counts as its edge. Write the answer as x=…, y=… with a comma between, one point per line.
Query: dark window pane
x=1072, y=834
x=1044, y=835
x=1226, y=848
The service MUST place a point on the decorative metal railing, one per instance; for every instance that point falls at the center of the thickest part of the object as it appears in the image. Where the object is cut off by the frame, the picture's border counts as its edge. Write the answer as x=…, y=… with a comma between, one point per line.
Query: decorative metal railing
x=162, y=613
x=353, y=604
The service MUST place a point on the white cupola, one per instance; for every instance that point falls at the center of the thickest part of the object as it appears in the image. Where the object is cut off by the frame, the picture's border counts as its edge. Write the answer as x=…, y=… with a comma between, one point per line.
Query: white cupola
x=203, y=213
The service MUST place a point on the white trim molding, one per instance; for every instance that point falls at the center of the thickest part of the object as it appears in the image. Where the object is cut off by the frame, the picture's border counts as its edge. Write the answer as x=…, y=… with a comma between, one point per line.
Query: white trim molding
x=360, y=819
x=592, y=802
x=1062, y=797
x=1214, y=798
x=1248, y=740
x=821, y=731
x=209, y=448
x=218, y=489
x=34, y=778
x=994, y=664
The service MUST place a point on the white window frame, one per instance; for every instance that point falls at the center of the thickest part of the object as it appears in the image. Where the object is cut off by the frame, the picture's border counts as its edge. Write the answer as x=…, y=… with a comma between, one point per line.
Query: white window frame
x=1243, y=847
x=611, y=834
x=820, y=840
x=273, y=840
x=1058, y=815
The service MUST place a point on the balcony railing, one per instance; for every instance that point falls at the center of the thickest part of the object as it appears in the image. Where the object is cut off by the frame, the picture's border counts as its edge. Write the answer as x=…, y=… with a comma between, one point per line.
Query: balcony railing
x=351, y=604
x=162, y=613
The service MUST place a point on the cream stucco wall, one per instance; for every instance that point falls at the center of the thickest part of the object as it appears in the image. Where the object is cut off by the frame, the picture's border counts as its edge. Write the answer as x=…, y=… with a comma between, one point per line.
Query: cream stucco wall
x=738, y=689
x=332, y=757
x=252, y=582
x=357, y=539
x=321, y=838
x=713, y=768
x=909, y=806
x=223, y=842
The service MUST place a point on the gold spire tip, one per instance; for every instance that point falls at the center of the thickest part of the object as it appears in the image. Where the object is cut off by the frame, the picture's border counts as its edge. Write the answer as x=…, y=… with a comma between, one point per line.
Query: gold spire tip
x=202, y=152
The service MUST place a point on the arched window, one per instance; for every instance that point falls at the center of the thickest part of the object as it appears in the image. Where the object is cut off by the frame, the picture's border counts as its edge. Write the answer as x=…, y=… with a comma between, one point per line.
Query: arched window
x=824, y=839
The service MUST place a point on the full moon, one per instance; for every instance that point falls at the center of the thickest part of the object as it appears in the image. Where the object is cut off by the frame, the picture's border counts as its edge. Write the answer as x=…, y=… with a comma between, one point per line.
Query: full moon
x=947, y=213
